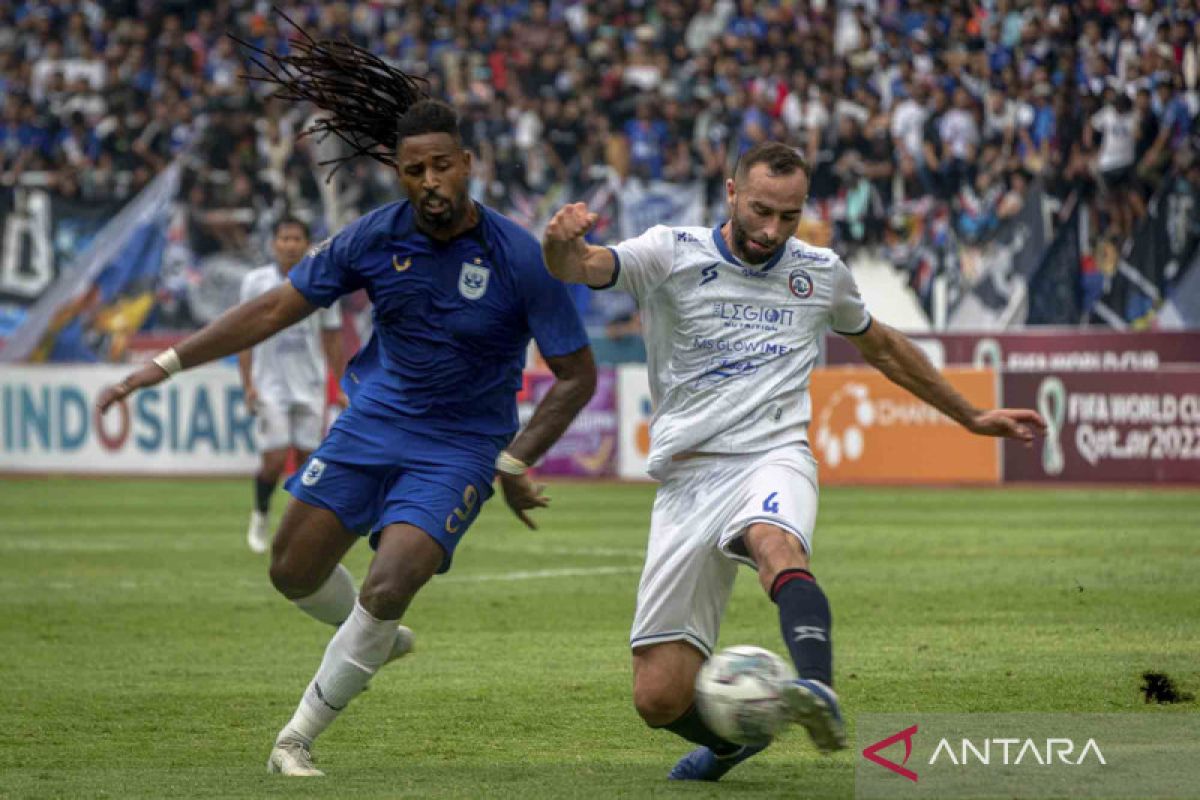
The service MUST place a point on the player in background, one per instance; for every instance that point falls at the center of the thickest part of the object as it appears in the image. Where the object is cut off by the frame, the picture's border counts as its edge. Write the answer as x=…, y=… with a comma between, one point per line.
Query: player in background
x=732, y=320
x=458, y=291
x=284, y=377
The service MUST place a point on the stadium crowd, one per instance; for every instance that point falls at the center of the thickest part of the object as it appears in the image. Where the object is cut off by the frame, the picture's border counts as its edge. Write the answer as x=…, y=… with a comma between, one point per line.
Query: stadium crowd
x=901, y=106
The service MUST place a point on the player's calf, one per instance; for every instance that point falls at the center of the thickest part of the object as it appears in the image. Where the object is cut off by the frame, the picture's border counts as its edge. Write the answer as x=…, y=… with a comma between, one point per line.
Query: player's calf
x=664, y=679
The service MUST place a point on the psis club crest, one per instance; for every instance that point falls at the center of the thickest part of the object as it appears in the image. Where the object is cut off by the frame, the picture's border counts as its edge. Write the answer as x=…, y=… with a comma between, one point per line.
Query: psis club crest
x=801, y=284
x=473, y=280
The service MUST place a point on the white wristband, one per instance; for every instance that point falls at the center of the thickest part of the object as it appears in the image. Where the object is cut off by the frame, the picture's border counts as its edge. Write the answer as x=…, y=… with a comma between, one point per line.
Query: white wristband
x=509, y=464
x=168, y=361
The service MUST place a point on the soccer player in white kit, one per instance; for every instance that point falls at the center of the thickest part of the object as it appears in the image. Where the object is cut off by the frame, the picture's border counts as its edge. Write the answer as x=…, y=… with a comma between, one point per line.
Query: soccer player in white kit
x=732, y=319
x=284, y=377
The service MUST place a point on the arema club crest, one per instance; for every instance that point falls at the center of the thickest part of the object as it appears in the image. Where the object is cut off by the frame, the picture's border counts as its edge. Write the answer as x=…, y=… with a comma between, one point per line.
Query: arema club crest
x=801, y=284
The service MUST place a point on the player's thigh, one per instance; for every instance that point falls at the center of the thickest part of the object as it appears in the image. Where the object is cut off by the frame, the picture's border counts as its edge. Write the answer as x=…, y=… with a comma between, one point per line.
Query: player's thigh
x=306, y=426
x=406, y=557
x=272, y=428
x=347, y=475
x=441, y=500
x=779, y=491
x=309, y=544
x=686, y=580
x=664, y=677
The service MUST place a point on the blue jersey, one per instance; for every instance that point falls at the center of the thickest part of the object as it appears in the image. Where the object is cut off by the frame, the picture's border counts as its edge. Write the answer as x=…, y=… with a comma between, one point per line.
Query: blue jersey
x=453, y=319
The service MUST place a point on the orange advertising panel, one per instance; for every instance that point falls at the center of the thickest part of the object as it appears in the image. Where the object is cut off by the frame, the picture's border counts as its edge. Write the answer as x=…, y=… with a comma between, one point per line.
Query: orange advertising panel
x=866, y=429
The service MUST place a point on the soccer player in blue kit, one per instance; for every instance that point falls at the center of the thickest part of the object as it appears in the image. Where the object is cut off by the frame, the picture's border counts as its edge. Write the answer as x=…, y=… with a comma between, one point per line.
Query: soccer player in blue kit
x=458, y=291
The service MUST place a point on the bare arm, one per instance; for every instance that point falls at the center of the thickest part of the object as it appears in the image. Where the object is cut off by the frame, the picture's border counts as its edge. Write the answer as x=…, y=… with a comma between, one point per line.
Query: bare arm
x=890, y=352
x=240, y=327
x=574, y=384
x=568, y=257
x=575, y=381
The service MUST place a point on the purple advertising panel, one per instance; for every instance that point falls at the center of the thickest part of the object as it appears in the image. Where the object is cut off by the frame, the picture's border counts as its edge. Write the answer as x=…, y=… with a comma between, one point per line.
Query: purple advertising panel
x=1138, y=427
x=1038, y=351
x=589, y=447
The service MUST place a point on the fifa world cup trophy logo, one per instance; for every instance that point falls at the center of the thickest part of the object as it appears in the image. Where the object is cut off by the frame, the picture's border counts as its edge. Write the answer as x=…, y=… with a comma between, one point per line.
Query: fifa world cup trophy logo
x=1052, y=404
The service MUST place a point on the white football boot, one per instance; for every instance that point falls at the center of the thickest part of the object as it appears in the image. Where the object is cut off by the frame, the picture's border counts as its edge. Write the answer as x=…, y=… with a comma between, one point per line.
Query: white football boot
x=292, y=758
x=403, y=645
x=258, y=535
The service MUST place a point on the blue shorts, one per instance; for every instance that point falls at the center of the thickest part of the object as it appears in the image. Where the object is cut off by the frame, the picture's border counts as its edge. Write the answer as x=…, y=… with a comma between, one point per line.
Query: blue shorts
x=372, y=474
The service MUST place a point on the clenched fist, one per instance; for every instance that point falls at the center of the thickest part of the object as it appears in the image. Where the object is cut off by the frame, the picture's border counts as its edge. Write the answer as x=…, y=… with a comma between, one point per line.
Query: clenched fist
x=570, y=223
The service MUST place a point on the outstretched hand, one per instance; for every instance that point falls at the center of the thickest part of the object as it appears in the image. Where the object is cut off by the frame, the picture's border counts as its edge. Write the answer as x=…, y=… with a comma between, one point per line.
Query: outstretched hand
x=148, y=375
x=522, y=494
x=1010, y=423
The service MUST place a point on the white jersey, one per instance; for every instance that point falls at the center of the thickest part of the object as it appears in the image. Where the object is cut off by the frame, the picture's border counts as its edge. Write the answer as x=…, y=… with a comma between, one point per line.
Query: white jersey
x=289, y=367
x=731, y=347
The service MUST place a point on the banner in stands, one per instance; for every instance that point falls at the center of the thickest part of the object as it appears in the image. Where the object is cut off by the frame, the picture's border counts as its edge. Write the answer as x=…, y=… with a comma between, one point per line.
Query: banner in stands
x=644, y=204
x=106, y=290
x=196, y=424
x=1051, y=350
x=1055, y=287
x=1002, y=265
x=1182, y=309
x=866, y=429
x=589, y=447
x=1162, y=246
x=634, y=410
x=1137, y=427
x=39, y=233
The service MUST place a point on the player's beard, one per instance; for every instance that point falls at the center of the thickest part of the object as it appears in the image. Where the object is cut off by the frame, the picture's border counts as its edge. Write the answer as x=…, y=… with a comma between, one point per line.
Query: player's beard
x=447, y=217
x=741, y=244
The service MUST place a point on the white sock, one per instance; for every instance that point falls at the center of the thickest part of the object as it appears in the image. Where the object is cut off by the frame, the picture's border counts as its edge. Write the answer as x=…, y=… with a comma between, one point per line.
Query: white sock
x=355, y=653
x=334, y=601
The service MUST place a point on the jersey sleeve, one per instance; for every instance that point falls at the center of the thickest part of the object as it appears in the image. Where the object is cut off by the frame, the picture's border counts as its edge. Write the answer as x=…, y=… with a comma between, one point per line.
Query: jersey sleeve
x=328, y=271
x=549, y=309
x=644, y=262
x=847, y=312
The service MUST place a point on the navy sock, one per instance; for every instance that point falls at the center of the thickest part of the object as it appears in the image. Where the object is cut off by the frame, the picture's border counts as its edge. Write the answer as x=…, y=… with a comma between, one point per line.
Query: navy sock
x=806, y=623
x=262, y=494
x=691, y=726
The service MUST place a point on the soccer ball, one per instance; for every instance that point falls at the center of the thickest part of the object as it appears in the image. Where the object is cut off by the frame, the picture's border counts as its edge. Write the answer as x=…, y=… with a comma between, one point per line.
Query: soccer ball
x=738, y=694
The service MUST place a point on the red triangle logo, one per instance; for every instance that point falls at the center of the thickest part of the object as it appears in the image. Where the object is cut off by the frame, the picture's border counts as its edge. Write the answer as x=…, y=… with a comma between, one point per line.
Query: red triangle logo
x=871, y=753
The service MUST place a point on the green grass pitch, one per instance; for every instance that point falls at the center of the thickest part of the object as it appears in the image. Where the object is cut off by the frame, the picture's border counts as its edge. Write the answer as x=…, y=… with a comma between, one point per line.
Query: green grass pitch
x=144, y=653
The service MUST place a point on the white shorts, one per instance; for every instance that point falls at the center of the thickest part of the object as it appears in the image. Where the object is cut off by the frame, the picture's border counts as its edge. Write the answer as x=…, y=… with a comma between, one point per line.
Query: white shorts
x=282, y=425
x=703, y=507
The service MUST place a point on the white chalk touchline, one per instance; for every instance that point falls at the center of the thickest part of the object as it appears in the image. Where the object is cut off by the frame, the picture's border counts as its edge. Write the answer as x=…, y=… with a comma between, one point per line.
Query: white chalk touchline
x=537, y=574
x=557, y=550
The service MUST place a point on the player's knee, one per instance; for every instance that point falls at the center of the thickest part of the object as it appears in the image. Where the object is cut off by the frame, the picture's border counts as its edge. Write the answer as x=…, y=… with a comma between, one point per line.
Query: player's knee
x=659, y=704
x=774, y=549
x=387, y=596
x=292, y=577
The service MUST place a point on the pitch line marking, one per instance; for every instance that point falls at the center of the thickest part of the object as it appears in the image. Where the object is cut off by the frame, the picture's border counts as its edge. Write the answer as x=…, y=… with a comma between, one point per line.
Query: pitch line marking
x=538, y=574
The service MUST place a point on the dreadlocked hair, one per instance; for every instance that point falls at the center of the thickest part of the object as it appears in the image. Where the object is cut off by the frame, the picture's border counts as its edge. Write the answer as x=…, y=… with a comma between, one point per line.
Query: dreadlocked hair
x=369, y=104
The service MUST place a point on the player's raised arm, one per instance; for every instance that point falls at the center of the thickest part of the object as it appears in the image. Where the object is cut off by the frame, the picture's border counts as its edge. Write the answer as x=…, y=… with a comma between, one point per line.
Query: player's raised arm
x=240, y=327
x=890, y=352
x=571, y=259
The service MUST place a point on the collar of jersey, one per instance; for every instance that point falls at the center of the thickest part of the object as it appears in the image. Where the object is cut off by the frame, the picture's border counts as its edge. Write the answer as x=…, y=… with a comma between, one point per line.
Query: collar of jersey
x=719, y=240
x=408, y=227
